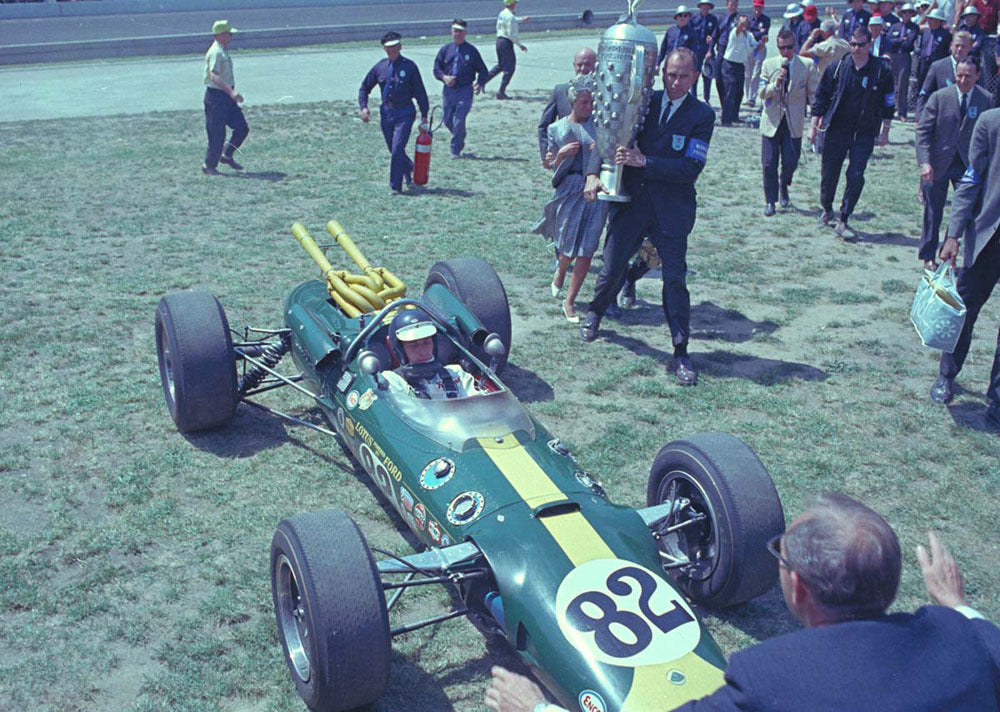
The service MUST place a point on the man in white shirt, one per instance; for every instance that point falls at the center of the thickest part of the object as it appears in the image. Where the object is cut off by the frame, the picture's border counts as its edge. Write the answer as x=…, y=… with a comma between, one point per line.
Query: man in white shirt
x=738, y=50
x=222, y=103
x=507, y=23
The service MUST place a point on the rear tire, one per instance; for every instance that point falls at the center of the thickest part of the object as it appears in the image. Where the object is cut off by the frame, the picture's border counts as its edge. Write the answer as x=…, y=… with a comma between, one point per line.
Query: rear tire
x=197, y=366
x=331, y=611
x=474, y=281
x=727, y=550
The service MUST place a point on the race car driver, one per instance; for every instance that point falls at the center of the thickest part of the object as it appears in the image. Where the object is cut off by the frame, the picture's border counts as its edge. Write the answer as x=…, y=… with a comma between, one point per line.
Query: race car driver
x=420, y=374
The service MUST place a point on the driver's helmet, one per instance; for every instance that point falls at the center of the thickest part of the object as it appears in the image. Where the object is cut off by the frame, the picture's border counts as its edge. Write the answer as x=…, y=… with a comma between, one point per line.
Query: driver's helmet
x=410, y=325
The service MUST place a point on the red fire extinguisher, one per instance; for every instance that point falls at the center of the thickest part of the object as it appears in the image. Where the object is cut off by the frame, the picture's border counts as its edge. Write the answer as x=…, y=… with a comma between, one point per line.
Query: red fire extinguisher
x=422, y=151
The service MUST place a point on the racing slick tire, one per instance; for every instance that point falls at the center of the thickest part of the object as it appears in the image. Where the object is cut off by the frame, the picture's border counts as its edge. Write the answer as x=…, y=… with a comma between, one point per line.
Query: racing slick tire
x=331, y=611
x=197, y=366
x=732, y=494
x=474, y=281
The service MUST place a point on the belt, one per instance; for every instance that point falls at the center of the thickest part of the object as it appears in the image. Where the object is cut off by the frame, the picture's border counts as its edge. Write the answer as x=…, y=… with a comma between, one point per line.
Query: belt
x=392, y=105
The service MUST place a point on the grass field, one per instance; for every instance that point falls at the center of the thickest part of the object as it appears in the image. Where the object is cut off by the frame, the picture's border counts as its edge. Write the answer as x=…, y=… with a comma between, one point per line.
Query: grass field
x=134, y=560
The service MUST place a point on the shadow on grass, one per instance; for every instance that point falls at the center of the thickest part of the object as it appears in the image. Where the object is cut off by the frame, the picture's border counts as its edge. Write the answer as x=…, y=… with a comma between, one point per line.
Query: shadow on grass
x=527, y=386
x=764, y=617
x=726, y=364
x=254, y=431
x=407, y=680
x=970, y=415
x=709, y=322
x=416, y=191
x=888, y=238
x=505, y=159
x=269, y=176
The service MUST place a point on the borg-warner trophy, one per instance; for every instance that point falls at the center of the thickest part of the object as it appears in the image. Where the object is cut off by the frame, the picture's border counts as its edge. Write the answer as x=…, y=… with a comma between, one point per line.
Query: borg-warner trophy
x=626, y=65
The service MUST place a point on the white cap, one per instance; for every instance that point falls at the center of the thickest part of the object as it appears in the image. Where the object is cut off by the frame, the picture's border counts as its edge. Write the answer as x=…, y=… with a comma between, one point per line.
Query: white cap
x=936, y=14
x=907, y=8
x=682, y=9
x=792, y=10
x=415, y=332
x=970, y=10
x=875, y=20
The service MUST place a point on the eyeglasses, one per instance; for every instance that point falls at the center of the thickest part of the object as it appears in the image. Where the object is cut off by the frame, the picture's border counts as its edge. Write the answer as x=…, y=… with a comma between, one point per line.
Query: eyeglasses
x=774, y=547
x=858, y=44
x=791, y=46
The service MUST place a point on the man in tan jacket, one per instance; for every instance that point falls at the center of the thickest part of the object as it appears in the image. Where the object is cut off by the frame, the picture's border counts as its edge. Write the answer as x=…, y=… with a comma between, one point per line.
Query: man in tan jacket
x=787, y=85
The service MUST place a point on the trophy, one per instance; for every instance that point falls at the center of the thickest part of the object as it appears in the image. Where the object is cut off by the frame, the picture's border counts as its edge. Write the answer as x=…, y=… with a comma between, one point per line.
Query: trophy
x=626, y=65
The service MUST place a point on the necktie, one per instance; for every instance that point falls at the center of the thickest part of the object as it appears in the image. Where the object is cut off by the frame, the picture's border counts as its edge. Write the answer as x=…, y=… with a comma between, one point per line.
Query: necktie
x=454, y=63
x=665, y=114
x=965, y=105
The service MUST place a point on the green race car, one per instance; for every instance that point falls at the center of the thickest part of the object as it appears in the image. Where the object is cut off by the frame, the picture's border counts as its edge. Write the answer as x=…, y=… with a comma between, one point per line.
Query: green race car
x=594, y=596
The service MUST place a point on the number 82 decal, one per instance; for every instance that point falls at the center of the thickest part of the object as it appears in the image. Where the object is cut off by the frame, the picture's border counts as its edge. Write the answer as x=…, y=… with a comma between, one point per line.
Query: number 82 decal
x=623, y=614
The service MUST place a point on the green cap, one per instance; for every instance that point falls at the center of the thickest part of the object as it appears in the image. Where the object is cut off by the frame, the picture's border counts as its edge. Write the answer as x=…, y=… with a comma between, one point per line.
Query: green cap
x=220, y=26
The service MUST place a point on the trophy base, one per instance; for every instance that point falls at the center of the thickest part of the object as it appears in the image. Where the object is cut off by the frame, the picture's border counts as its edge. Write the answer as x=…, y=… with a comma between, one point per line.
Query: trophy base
x=611, y=178
x=613, y=198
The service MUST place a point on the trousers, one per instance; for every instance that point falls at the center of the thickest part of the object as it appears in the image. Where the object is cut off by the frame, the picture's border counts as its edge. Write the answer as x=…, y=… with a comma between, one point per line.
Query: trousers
x=935, y=193
x=732, y=87
x=780, y=146
x=837, y=147
x=506, y=63
x=627, y=226
x=975, y=284
x=221, y=111
x=456, y=103
x=753, y=68
x=396, y=124
x=901, y=62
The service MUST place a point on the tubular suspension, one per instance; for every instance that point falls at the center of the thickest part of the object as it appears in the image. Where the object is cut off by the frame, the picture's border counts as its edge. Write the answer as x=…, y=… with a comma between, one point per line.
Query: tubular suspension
x=268, y=354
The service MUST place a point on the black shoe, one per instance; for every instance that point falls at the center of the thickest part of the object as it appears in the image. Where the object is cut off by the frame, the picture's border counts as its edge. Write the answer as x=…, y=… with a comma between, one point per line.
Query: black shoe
x=408, y=177
x=626, y=298
x=210, y=171
x=591, y=323
x=231, y=162
x=993, y=415
x=684, y=372
x=825, y=218
x=613, y=312
x=769, y=210
x=942, y=390
x=502, y=96
x=783, y=200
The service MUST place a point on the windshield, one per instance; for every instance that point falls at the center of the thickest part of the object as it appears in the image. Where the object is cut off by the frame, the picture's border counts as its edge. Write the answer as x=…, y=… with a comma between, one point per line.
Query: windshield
x=454, y=421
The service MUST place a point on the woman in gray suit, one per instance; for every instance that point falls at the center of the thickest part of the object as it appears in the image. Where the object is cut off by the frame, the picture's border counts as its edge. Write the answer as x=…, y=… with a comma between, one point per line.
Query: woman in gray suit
x=573, y=224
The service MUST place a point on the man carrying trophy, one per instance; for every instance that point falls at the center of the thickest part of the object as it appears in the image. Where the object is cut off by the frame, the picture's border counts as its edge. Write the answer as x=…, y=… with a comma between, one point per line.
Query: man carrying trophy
x=659, y=167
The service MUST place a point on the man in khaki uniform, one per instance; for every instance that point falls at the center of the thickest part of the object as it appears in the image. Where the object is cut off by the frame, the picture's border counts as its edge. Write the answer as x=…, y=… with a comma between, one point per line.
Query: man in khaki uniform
x=222, y=103
x=824, y=46
x=787, y=86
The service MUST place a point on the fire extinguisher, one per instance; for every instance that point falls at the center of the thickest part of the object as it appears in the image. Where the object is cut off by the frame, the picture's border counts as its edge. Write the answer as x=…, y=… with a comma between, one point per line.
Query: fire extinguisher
x=422, y=152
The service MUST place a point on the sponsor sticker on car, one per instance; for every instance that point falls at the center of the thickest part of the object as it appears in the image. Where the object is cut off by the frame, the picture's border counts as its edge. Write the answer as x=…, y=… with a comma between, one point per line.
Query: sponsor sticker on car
x=366, y=400
x=352, y=400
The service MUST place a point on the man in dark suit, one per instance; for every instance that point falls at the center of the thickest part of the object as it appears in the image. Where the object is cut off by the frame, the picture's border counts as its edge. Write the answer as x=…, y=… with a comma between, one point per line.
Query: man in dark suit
x=559, y=104
x=943, y=135
x=661, y=171
x=856, y=16
x=839, y=568
x=975, y=215
x=705, y=25
x=942, y=72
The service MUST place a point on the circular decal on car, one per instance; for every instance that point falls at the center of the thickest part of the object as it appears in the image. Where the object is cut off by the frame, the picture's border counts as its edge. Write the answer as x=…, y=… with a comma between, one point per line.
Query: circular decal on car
x=590, y=701
x=352, y=400
x=366, y=399
x=420, y=515
x=621, y=613
x=436, y=473
x=466, y=508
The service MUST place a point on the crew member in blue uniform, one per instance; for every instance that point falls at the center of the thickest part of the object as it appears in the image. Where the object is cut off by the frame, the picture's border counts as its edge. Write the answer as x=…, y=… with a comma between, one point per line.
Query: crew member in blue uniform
x=400, y=82
x=680, y=35
x=970, y=23
x=902, y=38
x=934, y=43
x=660, y=174
x=855, y=16
x=855, y=98
x=886, y=9
x=456, y=66
x=704, y=25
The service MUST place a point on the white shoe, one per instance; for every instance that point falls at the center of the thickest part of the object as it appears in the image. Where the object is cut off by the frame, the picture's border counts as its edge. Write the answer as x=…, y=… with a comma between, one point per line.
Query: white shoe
x=555, y=290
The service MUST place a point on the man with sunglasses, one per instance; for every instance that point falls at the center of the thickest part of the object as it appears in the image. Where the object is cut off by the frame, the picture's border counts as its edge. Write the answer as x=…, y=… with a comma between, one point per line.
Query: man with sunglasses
x=839, y=568
x=787, y=86
x=855, y=98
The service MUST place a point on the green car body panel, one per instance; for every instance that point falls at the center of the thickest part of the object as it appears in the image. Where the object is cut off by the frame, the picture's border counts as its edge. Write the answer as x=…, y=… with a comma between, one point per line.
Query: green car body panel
x=577, y=584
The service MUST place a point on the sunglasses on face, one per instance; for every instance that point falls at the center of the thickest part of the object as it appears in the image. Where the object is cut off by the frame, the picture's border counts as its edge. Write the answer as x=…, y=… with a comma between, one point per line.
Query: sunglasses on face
x=858, y=44
x=791, y=46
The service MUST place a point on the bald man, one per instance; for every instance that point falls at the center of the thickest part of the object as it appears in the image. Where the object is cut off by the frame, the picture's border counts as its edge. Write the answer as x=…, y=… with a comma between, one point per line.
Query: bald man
x=559, y=105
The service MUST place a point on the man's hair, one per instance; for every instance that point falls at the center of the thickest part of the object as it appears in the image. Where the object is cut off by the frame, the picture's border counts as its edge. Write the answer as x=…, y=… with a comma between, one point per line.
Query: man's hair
x=962, y=36
x=786, y=34
x=461, y=23
x=683, y=52
x=828, y=25
x=847, y=555
x=970, y=60
x=861, y=33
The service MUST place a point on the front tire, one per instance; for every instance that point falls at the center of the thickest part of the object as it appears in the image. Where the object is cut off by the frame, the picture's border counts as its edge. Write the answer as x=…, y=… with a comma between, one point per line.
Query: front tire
x=331, y=611
x=197, y=367
x=720, y=559
x=474, y=281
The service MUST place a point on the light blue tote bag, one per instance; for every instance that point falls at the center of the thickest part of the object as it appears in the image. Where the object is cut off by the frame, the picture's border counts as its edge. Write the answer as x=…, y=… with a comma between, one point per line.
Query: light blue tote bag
x=938, y=313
